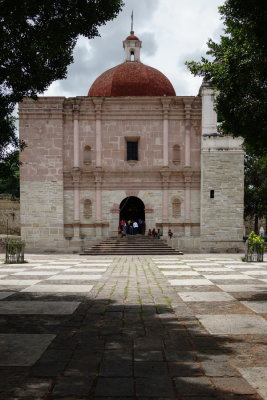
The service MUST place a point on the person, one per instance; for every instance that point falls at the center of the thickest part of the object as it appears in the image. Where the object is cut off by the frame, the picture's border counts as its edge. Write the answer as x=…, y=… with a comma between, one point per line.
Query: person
x=149, y=232
x=135, y=227
x=130, y=227
x=170, y=234
x=123, y=225
x=154, y=233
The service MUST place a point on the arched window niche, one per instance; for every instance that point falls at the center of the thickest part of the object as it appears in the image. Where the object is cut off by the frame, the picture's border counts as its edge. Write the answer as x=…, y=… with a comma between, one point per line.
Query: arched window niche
x=87, y=155
x=176, y=154
x=87, y=208
x=176, y=208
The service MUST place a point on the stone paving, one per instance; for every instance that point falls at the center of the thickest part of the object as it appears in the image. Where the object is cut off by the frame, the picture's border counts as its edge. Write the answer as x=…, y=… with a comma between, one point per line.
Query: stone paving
x=159, y=327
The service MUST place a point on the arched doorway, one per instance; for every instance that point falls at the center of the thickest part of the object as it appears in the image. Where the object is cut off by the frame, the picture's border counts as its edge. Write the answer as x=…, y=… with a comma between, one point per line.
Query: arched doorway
x=132, y=208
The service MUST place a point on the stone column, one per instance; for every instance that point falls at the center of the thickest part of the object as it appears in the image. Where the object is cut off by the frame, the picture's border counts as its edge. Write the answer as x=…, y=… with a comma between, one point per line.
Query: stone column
x=76, y=171
x=187, y=138
x=165, y=109
x=98, y=171
x=165, y=176
x=209, y=115
x=187, y=202
x=98, y=131
x=98, y=202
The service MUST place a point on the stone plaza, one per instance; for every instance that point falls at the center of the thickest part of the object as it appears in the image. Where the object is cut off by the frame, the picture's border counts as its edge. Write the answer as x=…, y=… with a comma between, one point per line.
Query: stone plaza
x=133, y=327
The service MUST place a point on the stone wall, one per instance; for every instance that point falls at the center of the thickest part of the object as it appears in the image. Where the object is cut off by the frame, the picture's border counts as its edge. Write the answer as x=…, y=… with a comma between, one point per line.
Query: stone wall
x=9, y=215
x=222, y=194
x=41, y=126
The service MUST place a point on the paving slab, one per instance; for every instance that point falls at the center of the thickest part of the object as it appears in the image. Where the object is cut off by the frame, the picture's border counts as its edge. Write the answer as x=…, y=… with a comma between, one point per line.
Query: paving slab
x=4, y=295
x=243, y=288
x=260, y=307
x=169, y=266
x=22, y=349
x=74, y=277
x=182, y=273
x=131, y=334
x=256, y=377
x=235, y=324
x=58, y=288
x=190, y=282
x=38, y=307
x=228, y=276
x=16, y=282
x=35, y=273
x=206, y=296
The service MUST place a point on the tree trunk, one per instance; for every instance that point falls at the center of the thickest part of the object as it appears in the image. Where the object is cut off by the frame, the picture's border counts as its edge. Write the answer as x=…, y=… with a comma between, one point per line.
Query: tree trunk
x=256, y=224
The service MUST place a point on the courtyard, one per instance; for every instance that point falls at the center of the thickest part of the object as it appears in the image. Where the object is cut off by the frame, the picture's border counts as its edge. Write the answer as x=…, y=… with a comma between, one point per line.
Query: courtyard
x=133, y=327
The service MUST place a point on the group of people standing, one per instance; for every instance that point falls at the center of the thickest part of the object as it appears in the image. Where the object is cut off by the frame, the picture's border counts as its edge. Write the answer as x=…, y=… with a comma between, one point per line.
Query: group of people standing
x=132, y=227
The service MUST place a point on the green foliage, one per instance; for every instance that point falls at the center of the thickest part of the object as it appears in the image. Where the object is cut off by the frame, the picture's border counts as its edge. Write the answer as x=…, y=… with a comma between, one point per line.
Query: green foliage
x=255, y=187
x=237, y=68
x=36, y=45
x=14, y=251
x=255, y=243
x=9, y=174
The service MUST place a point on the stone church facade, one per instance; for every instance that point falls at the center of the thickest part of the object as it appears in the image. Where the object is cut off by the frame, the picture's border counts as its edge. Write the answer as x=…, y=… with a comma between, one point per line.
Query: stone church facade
x=131, y=148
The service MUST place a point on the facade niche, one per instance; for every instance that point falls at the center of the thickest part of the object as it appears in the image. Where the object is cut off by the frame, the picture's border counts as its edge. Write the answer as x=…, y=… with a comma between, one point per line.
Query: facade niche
x=176, y=154
x=176, y=208
x=87, y=208
x=87, y=155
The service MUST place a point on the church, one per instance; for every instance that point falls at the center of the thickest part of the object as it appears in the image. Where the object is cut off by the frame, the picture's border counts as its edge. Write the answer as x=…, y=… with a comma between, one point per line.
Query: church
x=132, y=149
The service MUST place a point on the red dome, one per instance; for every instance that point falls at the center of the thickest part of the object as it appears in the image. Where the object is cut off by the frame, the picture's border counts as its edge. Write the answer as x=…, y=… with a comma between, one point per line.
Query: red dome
x=132, y=79
x=132, y=37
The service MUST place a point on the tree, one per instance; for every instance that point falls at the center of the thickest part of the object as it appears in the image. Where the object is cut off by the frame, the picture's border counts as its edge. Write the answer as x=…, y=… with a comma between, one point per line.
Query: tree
x=255, y=188
x=36, y=45
x=237, y=68
x=9, y=174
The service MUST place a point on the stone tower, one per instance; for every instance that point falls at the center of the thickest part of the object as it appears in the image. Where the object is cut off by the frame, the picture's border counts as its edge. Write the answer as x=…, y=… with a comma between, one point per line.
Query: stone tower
x=222, y=182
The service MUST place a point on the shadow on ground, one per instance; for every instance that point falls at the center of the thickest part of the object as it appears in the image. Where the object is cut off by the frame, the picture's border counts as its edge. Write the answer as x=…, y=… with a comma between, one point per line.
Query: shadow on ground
x=106, y=350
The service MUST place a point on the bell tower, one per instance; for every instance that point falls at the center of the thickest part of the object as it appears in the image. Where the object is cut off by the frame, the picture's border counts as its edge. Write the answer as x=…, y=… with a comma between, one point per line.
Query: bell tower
x=132, y=45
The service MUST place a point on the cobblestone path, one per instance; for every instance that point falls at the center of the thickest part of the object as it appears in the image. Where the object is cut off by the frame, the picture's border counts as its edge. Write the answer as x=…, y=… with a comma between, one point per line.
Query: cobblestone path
x=76, y=328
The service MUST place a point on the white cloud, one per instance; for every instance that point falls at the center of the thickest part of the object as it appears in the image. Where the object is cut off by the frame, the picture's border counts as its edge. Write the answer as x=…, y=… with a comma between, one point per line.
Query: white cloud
x=172, y=32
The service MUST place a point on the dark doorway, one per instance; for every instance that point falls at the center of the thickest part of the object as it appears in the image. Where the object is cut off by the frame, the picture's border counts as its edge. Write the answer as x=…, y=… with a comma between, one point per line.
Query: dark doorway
x=132, y=208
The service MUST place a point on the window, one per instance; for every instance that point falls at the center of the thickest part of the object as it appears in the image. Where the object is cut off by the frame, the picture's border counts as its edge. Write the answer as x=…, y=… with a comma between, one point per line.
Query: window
x=87, y=157
x=211, y=194
x=132, y=151
x=176, y=208
x=87, y=208
x=176, y=153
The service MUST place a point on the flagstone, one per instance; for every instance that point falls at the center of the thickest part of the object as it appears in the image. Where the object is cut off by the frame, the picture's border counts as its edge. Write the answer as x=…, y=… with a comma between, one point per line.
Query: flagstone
x=4, y=295
x=234, y=324
x=206, y=296
x=243, y=288
x=16, y=282
x=259, y=307
x=22, y=350
x=75, y=277
x=58, y=288
x=183, y=273
x=228, y=276
x=190, y=282
x=257, y=378
x=38, y=307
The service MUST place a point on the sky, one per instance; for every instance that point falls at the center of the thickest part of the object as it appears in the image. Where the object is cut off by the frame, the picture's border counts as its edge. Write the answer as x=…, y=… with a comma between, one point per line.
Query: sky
x=172, y=32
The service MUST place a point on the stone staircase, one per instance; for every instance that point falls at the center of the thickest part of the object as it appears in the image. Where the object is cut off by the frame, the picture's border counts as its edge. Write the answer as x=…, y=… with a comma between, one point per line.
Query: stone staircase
x=131, y=245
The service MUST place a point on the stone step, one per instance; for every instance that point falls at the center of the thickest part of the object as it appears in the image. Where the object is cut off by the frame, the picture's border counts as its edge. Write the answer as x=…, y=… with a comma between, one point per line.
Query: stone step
x=131, y=245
